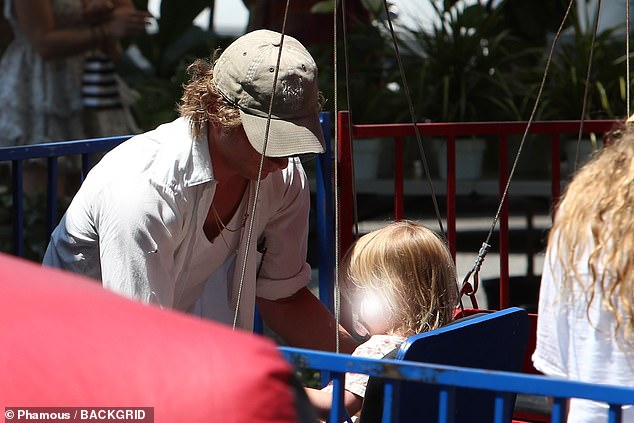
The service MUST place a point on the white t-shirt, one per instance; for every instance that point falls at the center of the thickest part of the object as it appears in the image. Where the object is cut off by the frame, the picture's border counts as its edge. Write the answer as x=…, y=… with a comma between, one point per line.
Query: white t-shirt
x=136, y=224
x=572, y=347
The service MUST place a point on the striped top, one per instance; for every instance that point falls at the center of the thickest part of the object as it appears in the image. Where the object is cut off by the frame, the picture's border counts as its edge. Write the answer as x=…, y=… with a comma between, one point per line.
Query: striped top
x=99, y=85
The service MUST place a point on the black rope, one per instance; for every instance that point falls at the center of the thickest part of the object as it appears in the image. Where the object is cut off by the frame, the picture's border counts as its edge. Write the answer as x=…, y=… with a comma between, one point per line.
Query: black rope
x=466, y=286
x=257, y=185
x=413, y=118
x=586, y=90
x=335, y=149
x=344, y=26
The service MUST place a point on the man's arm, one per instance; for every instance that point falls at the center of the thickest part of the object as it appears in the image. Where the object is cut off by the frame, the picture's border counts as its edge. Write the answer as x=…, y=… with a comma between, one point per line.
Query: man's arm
x=302, y=321
x=322, y=402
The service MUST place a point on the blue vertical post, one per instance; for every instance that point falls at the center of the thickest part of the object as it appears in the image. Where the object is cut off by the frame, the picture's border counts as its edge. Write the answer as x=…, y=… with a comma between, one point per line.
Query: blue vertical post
x=615, y=413
x=17, y=170
x=499, y=408
x=558, y=411
x=446, y=401
x=325, y=222
x=86, y=165
x=324, y=199
x=338, y=411
x=52, y=182
x=325, y=216
x=390, y=411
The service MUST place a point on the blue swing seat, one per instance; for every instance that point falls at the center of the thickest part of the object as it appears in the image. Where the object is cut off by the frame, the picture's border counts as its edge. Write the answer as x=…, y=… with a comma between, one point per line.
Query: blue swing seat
x=490, y=341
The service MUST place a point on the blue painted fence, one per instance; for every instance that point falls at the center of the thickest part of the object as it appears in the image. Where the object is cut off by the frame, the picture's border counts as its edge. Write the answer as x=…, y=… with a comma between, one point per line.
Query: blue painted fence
x=448, y=377
x=51, y=152
x=87, y=149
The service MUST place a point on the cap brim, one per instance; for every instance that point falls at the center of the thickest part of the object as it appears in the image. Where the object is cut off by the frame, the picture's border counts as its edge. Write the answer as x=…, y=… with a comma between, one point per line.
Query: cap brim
x=286, y=138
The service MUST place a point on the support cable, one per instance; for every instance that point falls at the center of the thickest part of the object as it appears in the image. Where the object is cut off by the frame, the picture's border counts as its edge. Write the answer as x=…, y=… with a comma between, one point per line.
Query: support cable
x=335, y=149
x=586, y=90
x=414, y=119
x=344, y=27
x=259, y=180
x=467, y=288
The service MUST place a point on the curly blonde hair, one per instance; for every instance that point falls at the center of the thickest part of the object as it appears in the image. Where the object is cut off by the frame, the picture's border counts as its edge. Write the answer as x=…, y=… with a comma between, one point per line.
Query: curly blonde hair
x=202, y=102
x=595, y=217
x=411, y=268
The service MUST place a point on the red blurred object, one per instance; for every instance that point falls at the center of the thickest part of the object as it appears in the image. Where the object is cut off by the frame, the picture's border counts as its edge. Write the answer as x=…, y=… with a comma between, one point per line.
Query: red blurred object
x=67, y=342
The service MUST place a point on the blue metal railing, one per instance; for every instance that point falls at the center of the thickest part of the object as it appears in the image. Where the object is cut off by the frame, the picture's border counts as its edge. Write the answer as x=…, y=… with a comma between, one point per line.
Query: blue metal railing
x=450, y=377
x=51, y=152
x=88, y=148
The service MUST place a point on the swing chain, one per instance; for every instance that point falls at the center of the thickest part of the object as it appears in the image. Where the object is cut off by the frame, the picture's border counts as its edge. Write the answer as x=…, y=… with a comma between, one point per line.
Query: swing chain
x=467, y=288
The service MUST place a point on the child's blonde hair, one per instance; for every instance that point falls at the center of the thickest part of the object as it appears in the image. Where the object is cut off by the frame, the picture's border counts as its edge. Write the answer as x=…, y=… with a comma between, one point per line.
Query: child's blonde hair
x=411, y=269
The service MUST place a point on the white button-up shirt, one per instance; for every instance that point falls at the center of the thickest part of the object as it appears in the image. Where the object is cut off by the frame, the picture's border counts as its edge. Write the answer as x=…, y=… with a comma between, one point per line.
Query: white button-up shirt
x=136, y=224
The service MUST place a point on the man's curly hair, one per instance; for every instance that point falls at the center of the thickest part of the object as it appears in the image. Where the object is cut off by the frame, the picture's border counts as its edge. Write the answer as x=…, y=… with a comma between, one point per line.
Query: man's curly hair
x=202, y=103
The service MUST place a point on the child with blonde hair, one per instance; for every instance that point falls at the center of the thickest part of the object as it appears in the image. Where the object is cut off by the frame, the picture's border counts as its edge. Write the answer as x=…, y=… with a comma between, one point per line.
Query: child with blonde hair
x=400, y=281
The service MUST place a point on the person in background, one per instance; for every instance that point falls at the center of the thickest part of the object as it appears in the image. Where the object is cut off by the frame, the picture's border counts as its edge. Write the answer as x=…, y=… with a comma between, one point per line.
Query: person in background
x=6, y=33
x=400, y=280
x=585, y=330
x=50, y=91
x=170, y=213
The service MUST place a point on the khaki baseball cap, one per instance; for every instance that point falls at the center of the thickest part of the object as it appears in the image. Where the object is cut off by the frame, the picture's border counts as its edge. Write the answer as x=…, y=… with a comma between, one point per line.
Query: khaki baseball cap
x=244, y=74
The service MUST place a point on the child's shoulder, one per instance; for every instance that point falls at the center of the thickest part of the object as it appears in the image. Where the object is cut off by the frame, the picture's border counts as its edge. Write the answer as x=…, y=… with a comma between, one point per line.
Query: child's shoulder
x=378, y=346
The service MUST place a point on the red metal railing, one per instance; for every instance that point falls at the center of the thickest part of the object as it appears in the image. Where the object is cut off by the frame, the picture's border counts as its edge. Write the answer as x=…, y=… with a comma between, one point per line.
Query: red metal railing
x=450, y=131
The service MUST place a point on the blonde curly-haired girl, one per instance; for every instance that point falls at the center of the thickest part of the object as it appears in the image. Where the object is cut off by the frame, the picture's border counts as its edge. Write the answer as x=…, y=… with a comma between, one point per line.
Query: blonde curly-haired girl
x=586, y=307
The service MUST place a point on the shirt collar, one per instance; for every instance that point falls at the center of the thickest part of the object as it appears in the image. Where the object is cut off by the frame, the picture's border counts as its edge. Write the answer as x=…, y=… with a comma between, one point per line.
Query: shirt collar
x=199, y=168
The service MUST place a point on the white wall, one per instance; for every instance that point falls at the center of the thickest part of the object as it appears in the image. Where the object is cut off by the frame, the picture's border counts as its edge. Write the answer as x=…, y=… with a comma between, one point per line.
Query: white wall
x=230, y=18
x=613, y=13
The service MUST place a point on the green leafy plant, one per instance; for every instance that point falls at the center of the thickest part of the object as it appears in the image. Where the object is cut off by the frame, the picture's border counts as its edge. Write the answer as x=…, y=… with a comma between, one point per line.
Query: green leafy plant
x=365, y=92
x=566, y=83
x=167, y=52
x=469, y=64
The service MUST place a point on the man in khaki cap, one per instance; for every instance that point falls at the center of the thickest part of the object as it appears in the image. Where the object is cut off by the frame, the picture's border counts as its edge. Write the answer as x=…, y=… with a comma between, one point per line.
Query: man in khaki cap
x=165, y=216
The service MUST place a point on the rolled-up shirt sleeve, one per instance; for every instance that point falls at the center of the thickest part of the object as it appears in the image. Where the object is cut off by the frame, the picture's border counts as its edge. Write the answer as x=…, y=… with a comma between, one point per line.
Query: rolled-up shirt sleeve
x=284, y=269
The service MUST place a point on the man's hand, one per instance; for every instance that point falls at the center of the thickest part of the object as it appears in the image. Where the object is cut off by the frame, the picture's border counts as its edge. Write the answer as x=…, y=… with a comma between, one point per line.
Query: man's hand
x=302, y=321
